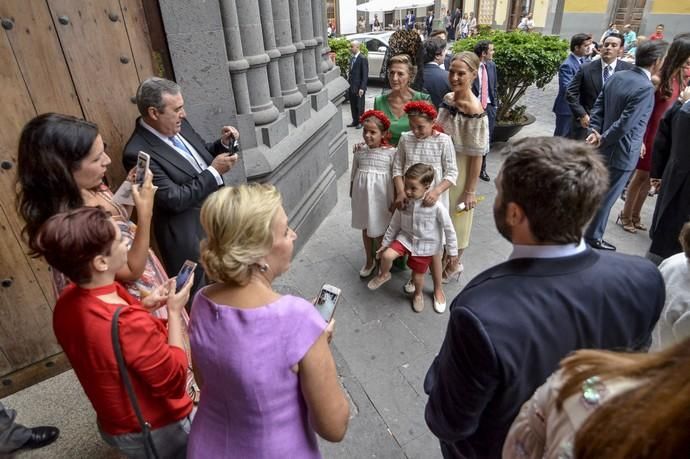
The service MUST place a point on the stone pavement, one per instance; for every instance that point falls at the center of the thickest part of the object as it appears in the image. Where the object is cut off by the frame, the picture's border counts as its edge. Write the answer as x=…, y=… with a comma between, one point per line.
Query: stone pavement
x=382, y=348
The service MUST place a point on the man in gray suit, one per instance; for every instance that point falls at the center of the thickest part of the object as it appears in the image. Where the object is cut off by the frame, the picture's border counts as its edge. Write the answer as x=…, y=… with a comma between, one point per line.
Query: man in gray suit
x=618, y=122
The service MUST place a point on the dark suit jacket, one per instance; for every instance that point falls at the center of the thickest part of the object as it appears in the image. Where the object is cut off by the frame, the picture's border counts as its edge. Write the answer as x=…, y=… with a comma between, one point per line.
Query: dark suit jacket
x=620, y=114
x=435, y=82
x=671, y=163
x=585, y=86
x=566, y=72
x=512, y=324
x=181, y=192
x=359, y=74
x=492, y=78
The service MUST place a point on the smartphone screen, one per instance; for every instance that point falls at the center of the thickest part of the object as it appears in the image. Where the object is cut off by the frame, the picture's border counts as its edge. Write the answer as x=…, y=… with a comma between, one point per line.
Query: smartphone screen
x=187, y=269
x=326, y=301
x=142, y=167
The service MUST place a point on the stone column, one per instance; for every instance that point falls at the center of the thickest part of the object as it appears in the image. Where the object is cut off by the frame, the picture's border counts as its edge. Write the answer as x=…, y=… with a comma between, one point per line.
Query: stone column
x=237, y=65
x=322, y=49
x=266, y=11
x=311, y=44
x=249, y=20
x=297, y=41
x=283, y=36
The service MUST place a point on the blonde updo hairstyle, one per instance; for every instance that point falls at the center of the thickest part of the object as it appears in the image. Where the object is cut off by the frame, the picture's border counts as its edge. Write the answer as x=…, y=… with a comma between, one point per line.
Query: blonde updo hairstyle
x=469, y=58
x=237, y=221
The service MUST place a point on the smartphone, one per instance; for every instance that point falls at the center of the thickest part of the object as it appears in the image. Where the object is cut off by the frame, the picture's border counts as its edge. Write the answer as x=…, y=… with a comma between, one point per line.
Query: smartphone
x=183, y=276
x=234, y=144
x=142, y=166
x=327, y=300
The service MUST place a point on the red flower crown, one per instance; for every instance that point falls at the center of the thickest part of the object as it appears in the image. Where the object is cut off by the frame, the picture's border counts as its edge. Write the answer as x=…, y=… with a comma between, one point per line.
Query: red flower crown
x=377, y=114
x=422, y=107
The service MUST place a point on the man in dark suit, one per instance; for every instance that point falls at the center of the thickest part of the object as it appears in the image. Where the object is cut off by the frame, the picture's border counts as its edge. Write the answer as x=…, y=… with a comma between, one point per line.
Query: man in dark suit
x=185, y=169
x=579, y=46
x=512, y=324
x=618, y=122
x=484, y=87
x=586, y=85
x=358, y=78
x=435, y=76
x=429, y=22
x=410, y=19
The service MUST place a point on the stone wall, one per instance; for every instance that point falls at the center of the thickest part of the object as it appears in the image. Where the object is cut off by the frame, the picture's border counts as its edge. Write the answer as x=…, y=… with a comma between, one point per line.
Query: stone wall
x=263, y=66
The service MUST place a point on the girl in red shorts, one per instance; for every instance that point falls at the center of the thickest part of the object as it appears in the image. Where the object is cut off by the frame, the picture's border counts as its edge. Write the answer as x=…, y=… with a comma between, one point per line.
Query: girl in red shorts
x=417, y=231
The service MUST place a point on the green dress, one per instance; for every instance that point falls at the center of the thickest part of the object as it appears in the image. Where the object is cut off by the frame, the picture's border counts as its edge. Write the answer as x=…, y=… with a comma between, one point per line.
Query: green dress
x=398, y=125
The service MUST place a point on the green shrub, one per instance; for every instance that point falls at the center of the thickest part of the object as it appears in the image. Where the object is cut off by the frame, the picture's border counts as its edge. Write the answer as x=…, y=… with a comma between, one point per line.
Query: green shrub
x=341, y=47
x=522, y=60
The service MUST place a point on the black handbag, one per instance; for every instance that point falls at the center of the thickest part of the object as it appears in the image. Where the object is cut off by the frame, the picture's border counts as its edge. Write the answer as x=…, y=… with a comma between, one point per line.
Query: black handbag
x=124, y=374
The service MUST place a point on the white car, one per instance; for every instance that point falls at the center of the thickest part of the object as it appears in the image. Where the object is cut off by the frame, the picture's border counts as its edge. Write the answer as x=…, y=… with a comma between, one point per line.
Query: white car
x=376, y=44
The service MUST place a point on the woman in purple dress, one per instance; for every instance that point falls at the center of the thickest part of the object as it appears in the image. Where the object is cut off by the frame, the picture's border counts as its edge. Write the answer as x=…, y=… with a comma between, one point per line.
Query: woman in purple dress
x=266, y=371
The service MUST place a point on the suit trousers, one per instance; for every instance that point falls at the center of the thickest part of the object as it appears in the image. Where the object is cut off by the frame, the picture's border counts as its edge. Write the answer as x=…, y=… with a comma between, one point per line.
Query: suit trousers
x=491, y=114
x=617, y=180
x=12, y=435
x=356, y=106
x=563, y=125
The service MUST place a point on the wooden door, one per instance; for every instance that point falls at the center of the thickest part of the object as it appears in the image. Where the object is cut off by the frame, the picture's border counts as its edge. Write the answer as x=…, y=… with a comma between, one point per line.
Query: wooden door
x=79, y=57
x=628, y=12
x=518, y=8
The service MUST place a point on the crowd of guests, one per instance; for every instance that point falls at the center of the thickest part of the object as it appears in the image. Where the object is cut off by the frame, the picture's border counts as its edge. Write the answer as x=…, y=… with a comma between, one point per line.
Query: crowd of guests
x=251, y=373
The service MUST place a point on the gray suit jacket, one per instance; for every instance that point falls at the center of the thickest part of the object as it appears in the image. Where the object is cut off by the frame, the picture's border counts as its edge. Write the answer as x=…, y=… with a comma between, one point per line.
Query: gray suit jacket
x=620, y=115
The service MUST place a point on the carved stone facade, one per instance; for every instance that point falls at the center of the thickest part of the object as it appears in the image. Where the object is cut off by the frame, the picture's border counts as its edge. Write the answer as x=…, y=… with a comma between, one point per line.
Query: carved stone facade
x=263, y=67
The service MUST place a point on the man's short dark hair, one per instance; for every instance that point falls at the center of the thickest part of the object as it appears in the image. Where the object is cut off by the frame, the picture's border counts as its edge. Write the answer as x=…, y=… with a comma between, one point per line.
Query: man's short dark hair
x=481, y=47
x=615, y=35
x=558, y=183
x=578, y=39
x=433, y=47
x=437, y=32
x=649, y=52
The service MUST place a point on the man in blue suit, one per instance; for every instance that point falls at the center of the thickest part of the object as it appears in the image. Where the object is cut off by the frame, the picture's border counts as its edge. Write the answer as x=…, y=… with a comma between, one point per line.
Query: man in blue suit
x=579, y=45
x=484, y=87
x=435, y=76
x=410, y=20
x=618, y=122
x=512, y=324
x=358, y=79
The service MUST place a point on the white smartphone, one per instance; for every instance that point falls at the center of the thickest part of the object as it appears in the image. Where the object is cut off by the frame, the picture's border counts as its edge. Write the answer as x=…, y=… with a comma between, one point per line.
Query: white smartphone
x=143, y=161
x=183, y=276
x=327, y=300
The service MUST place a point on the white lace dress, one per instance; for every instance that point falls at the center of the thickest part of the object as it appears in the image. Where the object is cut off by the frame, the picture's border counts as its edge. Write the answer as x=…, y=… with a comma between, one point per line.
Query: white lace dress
x=372, y=188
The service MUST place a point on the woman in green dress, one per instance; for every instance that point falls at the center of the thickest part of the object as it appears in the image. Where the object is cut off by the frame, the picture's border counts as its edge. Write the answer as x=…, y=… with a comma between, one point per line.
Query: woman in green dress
x=401, y=71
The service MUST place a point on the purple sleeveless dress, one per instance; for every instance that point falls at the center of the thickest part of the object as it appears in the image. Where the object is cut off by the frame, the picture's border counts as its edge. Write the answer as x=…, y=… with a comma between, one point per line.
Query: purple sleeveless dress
x=251, y=404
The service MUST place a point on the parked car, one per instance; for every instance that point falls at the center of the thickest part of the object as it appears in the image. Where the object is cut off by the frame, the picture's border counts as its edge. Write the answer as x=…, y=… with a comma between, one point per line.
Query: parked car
x=376, y=44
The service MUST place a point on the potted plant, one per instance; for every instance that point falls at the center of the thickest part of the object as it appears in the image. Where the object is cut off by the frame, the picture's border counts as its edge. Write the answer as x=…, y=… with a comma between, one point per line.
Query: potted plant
x=341, y=47
x=522, y=60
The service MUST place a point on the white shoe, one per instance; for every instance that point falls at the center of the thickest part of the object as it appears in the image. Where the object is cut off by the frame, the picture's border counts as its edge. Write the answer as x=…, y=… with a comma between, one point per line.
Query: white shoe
x=438, y=306
x=364, y=272
x=409, y=287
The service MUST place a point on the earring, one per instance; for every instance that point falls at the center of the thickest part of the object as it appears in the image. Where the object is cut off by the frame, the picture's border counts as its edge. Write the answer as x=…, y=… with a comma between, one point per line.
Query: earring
x=263, y=268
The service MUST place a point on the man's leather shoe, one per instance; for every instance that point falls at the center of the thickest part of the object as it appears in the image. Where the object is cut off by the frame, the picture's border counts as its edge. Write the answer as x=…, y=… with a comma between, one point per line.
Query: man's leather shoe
x=41, y=436
x=601, y=244
x=352, y=125
x=359, y=126
x=484, y=176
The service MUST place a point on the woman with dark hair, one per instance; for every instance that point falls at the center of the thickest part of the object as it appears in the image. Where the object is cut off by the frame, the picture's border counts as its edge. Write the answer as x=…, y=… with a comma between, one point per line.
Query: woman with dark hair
x=88, y=247
x=672, y=79
x=61, y=166
x=604, y=404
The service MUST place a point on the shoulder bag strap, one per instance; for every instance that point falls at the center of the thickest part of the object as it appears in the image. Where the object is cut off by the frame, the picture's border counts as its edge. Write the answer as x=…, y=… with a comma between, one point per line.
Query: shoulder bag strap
x=124, y=374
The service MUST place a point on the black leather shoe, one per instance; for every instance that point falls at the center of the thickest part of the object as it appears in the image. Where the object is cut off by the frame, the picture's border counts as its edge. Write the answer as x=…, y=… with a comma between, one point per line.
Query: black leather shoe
x=352, y=125
x=601, y=244
x=41, y=436
x=359, y=126
x=484, y=176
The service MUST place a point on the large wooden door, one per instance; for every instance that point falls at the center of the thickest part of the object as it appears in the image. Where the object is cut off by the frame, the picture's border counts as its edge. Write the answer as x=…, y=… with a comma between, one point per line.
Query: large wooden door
x=628, y=12
x=79, y=57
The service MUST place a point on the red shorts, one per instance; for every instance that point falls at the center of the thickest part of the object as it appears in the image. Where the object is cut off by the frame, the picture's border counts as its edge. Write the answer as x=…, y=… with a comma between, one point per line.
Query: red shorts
x=418, y=265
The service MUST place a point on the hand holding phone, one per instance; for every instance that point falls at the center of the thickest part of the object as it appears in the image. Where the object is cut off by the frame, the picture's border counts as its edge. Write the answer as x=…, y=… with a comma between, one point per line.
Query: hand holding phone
x=327, y=301
x=184, y=275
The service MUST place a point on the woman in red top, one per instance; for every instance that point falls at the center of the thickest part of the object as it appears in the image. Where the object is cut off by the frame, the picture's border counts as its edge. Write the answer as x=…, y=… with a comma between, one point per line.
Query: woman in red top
x=88, y=247
x=674, y=75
